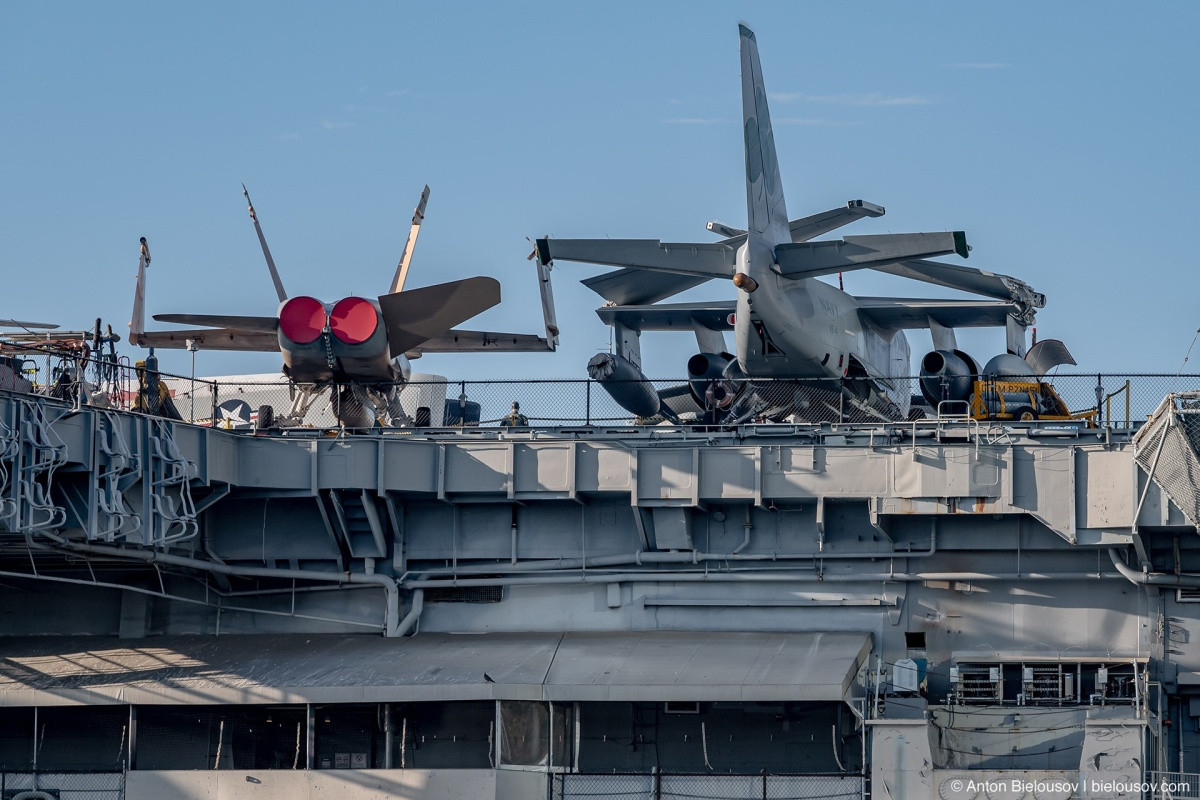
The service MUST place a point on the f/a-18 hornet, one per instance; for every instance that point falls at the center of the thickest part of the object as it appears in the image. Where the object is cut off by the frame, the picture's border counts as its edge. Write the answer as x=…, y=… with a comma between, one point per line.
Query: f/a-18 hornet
x=842, y=351
x=359, y=346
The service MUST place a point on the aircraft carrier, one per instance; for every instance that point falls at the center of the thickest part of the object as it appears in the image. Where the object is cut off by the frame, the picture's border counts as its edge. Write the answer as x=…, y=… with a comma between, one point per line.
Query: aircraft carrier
x=814, y=583
x=940, y=608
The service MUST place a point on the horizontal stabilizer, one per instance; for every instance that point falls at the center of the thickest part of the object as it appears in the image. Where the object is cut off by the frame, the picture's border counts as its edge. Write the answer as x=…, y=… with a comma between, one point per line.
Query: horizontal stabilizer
x=671, y=317
x=711, y=260
x=631, y=286
x=461, y=341
x=418, y=315
x=813, y=259
x=969, y=279
x=236, y=322
x=209, y=339
x=894, y=313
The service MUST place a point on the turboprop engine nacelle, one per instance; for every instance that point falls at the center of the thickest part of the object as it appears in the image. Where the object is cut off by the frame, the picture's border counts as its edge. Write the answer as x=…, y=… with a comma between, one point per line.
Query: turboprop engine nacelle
x=709, y=380
x=947, y=375
x=625, y=383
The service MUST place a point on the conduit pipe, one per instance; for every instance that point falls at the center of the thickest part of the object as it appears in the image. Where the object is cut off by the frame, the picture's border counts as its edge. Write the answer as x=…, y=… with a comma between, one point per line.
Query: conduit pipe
x=689, y=557
x=751, y=577
x=1151, y=578
x=391, y=611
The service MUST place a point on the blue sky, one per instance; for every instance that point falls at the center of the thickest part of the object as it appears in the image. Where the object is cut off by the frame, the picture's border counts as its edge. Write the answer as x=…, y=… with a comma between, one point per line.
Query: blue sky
x=1059, y=136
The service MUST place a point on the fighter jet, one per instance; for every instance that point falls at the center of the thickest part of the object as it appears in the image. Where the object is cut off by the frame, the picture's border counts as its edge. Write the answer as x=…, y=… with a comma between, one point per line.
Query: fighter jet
x=786, y=323
x=360, y=346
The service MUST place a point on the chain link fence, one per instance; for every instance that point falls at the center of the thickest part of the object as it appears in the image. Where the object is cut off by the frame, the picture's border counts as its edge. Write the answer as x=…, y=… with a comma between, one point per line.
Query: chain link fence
x=708, y=786
x=63, y=785
x=427, y=401
x=1120, y=401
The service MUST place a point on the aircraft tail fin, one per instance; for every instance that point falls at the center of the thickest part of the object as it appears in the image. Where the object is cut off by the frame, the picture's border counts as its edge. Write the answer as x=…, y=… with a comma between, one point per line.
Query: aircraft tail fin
x=410, y=245
x=262, y=240
x=137, y=320
x=765, y=207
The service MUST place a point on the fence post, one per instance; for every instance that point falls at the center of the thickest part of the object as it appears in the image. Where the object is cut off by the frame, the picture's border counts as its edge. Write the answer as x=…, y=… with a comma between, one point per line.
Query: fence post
x=212, y=418
x=1099, y=400
x=588, y=401
x=764, y=779
x=462, y=404
x=657, y=783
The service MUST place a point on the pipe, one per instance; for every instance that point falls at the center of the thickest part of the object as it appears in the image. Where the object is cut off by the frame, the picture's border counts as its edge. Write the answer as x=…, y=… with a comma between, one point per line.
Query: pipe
x=389, y=585
x=745, y=540
x=1147, y=578
x=413, y=615
x=643, y=557
x=177, y=597
x=749, y=577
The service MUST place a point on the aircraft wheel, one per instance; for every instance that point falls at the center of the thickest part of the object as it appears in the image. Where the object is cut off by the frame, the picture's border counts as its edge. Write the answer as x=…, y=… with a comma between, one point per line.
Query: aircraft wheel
x=1024, y=414
x=265, y=419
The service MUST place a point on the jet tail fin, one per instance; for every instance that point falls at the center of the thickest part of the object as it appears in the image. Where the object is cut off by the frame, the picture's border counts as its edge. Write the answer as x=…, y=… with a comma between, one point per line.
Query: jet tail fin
x=765, y=207
x=410, y=245
x=262, y=240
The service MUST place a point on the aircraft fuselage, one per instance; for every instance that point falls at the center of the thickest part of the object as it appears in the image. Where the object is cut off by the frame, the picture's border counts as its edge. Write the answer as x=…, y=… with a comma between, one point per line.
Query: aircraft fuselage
x=809, y=329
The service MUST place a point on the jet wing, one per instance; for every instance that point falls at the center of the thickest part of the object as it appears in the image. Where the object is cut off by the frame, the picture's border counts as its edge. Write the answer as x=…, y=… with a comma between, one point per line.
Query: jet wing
x=671, y=317
x=209, y=339
x=813, y=259
x=968, y=279
x=811, y=227
x=16, y=323
x=893, y=312
x=710, y=260
x=461, y=341
x=232, y=321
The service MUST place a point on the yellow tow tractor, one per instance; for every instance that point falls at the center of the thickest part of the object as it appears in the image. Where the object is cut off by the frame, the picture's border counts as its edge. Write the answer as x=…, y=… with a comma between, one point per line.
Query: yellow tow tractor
x=1023, y=399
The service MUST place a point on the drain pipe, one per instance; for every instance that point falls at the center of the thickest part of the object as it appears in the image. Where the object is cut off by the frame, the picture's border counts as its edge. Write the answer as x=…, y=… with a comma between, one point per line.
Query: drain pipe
x=1147, y=578
x=748, y=577
x=413, y=615
x=690, y=557
x=391, y=589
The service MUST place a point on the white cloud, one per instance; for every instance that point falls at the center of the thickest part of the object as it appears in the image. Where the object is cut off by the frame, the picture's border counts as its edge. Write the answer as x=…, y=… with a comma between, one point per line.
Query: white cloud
x=330, y=125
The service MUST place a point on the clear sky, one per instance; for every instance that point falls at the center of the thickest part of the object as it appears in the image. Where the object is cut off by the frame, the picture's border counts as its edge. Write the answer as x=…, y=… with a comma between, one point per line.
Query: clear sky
x=1059, y=136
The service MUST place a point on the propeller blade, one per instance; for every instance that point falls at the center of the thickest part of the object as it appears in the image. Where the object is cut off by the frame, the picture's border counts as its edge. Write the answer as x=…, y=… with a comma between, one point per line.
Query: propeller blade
x=417, y=315
x=263, y=324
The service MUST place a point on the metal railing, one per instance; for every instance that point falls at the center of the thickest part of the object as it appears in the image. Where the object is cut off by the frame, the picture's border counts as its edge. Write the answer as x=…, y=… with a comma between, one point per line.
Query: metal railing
x=1105, y=400
x=1172, y=785
x=705, y=786
x=36, y=785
